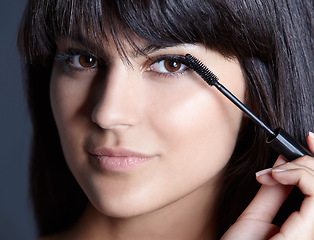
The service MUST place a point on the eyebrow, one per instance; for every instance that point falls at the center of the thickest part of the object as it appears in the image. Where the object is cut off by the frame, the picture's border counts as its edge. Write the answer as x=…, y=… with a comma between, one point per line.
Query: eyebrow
x=146, y=50
x=97, y=46
x=82, y=42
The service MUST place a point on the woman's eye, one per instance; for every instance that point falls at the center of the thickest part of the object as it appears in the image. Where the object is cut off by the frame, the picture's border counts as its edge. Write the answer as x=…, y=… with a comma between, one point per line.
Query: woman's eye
x=167, y=66
x=73, y=60
x=83, y=61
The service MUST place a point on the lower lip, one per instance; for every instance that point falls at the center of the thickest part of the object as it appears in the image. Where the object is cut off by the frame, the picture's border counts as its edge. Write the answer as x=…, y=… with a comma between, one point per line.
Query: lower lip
x=118, y=163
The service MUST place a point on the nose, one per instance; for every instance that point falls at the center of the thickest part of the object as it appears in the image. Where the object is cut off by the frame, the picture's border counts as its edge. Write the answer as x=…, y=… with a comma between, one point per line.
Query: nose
x=119, y=103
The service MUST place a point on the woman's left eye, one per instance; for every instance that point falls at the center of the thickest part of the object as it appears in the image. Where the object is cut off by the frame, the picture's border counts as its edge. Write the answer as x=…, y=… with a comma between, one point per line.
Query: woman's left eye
x=167, y=65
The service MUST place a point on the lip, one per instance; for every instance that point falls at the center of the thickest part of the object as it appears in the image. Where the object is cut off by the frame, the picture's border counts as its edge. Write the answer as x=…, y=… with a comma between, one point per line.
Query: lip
x=117, y=159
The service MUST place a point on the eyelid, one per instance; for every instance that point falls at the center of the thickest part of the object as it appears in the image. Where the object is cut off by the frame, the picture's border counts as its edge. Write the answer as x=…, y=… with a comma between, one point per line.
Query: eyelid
x=160, y=58
x=64, y=57
x=174, y=57
x=72, y=52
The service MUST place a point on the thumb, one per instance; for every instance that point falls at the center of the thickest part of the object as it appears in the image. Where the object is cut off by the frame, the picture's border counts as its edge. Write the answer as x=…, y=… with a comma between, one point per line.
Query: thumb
x=266, y=203
x=269, y=198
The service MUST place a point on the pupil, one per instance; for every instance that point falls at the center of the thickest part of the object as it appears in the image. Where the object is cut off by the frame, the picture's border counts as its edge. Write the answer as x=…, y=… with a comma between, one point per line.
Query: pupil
x=86, y=61
x=172, y=65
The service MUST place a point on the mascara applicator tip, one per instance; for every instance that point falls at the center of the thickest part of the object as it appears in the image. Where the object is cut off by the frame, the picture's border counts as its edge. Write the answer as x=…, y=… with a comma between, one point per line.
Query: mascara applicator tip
x=201, y=69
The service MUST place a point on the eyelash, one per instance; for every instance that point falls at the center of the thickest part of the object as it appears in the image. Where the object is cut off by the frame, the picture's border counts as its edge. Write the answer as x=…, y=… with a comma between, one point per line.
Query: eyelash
x=174, y=58
x=66, y=57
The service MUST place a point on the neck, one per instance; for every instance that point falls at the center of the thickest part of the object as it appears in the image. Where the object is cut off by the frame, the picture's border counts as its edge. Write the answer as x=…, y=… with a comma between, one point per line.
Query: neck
x=189, y=218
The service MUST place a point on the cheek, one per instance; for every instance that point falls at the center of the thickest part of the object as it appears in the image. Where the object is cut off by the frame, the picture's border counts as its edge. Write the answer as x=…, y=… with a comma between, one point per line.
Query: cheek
x=199, y=131
x=68, y=95
x=196, y=114
x=199, y=126
x=67, y=101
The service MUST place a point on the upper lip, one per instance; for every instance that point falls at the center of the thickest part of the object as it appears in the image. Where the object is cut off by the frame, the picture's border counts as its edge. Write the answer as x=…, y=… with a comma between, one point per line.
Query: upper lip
x=117, y=152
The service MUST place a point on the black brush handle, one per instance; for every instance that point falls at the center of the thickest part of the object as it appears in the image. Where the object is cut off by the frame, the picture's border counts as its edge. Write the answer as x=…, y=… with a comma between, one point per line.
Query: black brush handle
x=286, y=145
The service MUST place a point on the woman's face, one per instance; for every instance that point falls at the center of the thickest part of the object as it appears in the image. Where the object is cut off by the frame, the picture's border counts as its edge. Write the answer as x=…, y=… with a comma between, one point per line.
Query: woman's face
x=142, y=136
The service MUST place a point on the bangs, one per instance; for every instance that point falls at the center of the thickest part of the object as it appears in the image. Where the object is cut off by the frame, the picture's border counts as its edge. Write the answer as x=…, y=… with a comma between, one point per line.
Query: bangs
x=160, y=22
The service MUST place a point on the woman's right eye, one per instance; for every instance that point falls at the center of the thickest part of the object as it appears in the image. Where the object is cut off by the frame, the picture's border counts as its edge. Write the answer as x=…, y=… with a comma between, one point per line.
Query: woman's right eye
x=83, y=61
x=74, y=59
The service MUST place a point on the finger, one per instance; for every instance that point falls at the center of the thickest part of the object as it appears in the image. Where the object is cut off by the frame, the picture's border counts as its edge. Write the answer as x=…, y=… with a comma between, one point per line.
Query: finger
x=265, y=176
x=300, y=224
x=266, y=203
x=299, y=172
x=306, y=162
x=295, y=174
x=269, y=198
x=310, y=141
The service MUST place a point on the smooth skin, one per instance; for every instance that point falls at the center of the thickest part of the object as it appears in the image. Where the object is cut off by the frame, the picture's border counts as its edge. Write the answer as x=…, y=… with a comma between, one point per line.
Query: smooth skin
x=187, y=129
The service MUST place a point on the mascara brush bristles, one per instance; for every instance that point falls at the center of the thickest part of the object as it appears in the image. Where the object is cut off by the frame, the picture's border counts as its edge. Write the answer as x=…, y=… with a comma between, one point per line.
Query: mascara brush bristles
x=201, y=69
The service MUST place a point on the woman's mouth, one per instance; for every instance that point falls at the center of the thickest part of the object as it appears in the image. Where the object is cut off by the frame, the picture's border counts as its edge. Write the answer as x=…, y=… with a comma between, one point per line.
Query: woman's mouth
x=117, y=159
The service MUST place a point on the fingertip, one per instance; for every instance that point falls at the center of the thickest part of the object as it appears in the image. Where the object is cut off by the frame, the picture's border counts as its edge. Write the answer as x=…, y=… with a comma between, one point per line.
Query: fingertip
x=263, y=172
x=265, y=177
x=310, y=141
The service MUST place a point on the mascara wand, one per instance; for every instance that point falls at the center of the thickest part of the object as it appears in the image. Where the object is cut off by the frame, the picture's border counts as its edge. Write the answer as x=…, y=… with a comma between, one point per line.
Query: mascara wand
x=278, y=139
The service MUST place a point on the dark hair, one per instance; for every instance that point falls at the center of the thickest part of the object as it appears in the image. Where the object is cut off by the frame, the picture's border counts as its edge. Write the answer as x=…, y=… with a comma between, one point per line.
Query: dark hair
x=271, y=39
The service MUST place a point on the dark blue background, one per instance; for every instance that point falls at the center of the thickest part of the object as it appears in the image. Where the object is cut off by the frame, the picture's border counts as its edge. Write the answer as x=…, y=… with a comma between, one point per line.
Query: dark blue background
x=16, y=219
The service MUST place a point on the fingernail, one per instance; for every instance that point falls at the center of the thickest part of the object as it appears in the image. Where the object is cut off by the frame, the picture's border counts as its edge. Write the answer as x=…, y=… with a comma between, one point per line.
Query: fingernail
x=311, y=134
x=267, y=170
x=279, y=170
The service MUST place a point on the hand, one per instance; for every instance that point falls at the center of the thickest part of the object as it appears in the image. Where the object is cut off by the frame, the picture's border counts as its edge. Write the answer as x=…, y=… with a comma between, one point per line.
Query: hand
x=255, y=222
